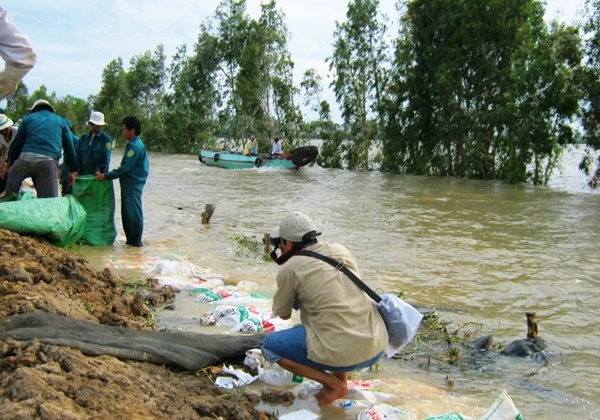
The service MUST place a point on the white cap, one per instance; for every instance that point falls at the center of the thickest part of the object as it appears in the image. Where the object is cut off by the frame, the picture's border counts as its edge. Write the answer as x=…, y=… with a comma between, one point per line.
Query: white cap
x=97, y=118
x=294, y=228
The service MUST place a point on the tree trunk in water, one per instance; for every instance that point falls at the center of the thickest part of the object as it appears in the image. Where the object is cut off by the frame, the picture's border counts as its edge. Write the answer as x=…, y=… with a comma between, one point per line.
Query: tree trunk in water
x=207, y=213
x=532, y=327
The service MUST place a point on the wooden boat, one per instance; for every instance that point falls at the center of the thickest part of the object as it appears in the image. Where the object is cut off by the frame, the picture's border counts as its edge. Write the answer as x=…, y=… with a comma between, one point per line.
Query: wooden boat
x=297, y=158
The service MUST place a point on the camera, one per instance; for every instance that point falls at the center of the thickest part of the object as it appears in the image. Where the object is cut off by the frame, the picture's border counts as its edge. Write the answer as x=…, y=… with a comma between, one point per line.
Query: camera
x=270, y=243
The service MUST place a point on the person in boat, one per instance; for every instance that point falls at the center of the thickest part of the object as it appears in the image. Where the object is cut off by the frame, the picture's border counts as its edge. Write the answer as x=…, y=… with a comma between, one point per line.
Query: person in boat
x=248, y=146
x=341, y=329
x=36, y=149
x=254, y=146
x=7, y=133
x=17, y=53
x=132, y=175
x=94, y=148
x=276, y=147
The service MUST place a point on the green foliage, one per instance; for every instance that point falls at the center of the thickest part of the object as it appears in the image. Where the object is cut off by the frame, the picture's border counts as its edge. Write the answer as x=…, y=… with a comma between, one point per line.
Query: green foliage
x=246, y=246
x=481, y=90
x=589, y=79
x=484, y=90
x=360, y=75
x=443, y=341
x=75, y=248
x=136, y=285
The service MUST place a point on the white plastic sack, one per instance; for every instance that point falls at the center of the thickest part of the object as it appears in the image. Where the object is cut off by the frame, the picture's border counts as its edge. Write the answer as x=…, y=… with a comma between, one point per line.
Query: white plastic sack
x=503, y=409
x=254, y=359
x=383, y=411
x=245, y=286
x=275, y=375
x=256, y=324
x=230, y=316
x=229, y=297
x=401, y=321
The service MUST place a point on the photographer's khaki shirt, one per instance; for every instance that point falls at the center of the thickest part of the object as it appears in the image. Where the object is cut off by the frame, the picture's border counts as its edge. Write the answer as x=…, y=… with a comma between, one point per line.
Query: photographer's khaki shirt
x=343, y=325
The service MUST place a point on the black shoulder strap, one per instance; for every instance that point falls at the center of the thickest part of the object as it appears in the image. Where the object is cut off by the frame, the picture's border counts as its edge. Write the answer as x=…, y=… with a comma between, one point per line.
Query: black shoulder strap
x=344, y=270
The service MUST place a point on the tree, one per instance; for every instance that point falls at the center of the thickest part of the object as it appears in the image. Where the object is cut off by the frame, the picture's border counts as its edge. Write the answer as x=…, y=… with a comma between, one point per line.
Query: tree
x=114, y=99
x=590, y=84
x=18, y=102
x=194, y=100
x=324, y=128
x=232, y=33
x=146, y=81
x=481, y=90
x=359, y=69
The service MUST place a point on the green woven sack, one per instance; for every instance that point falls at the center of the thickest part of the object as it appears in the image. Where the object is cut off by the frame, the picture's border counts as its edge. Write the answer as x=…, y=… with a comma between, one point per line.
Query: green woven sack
x=98, y=200
x=60, y=220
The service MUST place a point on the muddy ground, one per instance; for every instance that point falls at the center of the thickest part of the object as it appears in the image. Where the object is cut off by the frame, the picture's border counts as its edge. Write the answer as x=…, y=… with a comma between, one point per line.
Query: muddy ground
x=44, y=381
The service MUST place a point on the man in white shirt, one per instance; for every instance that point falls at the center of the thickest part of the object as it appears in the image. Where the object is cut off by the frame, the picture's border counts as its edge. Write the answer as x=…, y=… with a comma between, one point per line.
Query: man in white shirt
x=17, y=53
x=276, y=148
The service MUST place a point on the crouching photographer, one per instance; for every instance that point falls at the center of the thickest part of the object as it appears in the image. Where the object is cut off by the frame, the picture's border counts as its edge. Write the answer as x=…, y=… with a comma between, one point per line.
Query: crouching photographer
x=340, y=331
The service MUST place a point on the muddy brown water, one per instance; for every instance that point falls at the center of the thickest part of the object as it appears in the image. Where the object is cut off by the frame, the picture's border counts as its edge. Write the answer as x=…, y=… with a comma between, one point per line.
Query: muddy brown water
x=476, y=251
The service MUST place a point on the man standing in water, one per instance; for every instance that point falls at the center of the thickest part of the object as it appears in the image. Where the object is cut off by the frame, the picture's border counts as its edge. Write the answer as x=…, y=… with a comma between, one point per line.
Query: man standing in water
x=341, y=329
x=132, y=175
x=93, y=149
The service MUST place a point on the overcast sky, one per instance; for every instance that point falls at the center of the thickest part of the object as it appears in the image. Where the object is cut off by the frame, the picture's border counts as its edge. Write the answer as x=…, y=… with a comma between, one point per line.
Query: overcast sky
x=76, y=39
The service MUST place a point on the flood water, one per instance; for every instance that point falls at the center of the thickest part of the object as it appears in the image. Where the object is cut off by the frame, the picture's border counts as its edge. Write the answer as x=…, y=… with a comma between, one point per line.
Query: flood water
x=479, y=252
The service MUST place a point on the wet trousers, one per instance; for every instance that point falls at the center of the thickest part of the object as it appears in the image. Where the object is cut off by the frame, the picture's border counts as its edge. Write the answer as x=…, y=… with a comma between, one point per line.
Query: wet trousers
x=43, y=173
x=132, y=214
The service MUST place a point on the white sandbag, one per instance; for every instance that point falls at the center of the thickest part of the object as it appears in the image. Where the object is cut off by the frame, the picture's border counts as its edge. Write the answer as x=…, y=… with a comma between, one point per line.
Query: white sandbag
x=266, y=325
x=230, y=316
x=227, y=297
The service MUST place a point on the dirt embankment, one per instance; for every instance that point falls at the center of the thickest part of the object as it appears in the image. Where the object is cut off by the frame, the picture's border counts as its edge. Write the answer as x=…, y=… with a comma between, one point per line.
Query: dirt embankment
x=39, y=380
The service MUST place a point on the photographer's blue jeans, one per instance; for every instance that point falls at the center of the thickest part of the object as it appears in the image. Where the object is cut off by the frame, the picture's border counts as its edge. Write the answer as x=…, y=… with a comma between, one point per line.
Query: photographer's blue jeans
x=291, y=344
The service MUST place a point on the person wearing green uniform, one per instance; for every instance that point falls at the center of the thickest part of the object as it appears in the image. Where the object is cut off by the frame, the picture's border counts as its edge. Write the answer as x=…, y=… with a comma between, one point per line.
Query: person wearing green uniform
x=132, y=175
x=94, y=148
x=36, y=149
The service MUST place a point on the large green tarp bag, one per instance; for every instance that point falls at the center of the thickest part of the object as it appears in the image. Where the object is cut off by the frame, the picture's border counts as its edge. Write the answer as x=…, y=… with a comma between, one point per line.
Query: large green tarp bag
x=60, y=220
x=24, y=195
x=98, y=200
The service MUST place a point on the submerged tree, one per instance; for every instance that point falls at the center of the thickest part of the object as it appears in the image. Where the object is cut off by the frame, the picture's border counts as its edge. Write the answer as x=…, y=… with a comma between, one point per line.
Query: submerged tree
x=359, y=70
x=480, y=89
x=590, y=81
